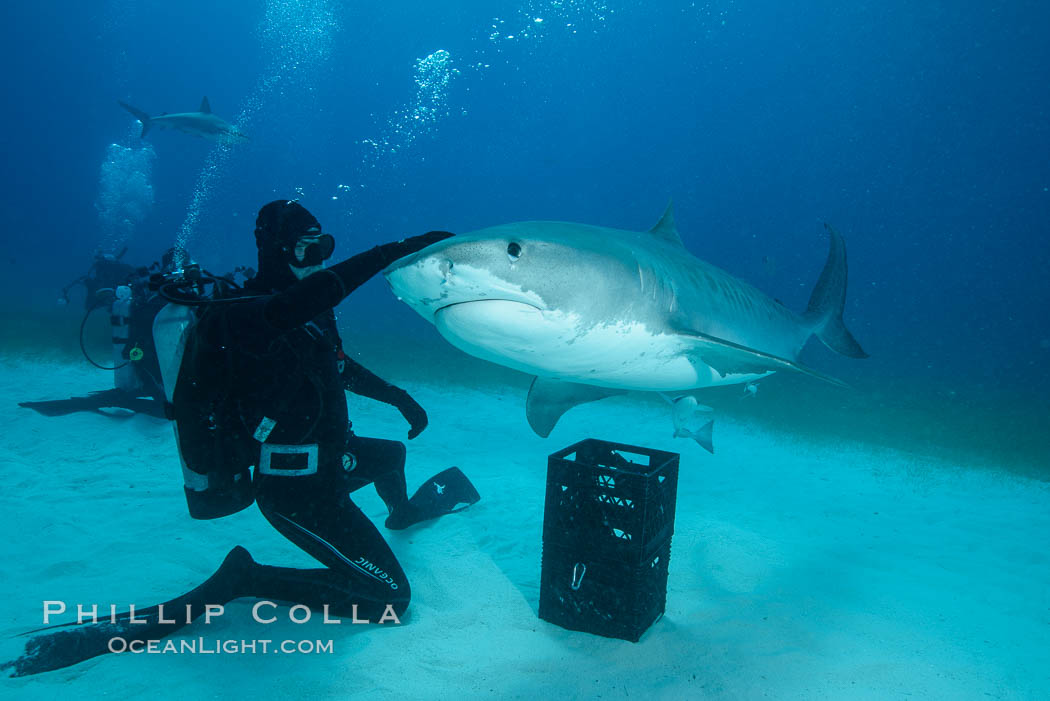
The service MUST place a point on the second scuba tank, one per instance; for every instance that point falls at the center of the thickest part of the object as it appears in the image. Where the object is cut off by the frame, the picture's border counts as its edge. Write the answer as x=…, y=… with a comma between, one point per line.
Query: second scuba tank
x=216, y=464
x=124, y=376
x=170, y=327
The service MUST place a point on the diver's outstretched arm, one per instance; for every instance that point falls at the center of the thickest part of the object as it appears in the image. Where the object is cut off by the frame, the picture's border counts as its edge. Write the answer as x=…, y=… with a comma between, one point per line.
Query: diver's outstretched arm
x=328, y=287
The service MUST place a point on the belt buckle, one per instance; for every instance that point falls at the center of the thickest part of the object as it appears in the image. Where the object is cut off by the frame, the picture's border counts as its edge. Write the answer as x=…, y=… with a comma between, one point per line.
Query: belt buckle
x=288, y=460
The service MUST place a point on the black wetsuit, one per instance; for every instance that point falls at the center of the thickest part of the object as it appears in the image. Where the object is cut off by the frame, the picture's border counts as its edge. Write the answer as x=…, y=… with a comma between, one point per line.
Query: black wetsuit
x=295, y=378
x=279, y=356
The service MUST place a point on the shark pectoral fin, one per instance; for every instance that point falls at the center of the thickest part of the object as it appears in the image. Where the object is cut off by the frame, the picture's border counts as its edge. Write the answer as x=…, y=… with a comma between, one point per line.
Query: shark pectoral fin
x=728, y=358
x=549, y=399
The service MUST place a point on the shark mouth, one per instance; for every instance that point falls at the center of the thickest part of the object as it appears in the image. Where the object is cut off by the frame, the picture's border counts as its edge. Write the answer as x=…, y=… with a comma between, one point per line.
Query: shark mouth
x=489, y=318
x=494, y=328
x=503, y=302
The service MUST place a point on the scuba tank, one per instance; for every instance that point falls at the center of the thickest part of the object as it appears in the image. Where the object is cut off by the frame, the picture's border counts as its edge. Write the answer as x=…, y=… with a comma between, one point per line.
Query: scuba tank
x=170, y=328
x=216, y=454
x=124, y=375
x=121, y=289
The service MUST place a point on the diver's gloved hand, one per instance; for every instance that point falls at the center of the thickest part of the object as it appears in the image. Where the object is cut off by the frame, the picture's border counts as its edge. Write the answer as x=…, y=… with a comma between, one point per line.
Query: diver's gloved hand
x=413, y=413
x=404, y=247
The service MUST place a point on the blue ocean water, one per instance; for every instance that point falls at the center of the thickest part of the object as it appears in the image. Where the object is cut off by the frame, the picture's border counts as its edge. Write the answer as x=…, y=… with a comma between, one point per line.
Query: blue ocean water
x=921, y=131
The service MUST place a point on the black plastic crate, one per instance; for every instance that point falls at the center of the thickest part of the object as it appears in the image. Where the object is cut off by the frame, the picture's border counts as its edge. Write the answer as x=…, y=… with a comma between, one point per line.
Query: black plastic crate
x=610, y=500
x=602, y=596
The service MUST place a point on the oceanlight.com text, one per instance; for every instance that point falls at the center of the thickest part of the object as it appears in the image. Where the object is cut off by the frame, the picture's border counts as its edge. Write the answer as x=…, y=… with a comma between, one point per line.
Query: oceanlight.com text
x=202, y=646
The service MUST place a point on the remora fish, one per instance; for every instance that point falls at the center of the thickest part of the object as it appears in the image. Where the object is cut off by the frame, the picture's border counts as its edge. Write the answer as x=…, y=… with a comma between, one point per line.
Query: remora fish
x=593, y=311
x=692, y=420
x=203, y=123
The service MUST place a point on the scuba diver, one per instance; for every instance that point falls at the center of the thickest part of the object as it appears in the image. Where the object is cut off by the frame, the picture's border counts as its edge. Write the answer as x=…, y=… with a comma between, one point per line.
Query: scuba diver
x=107, y=271
x=260, y=384
x=124, y=290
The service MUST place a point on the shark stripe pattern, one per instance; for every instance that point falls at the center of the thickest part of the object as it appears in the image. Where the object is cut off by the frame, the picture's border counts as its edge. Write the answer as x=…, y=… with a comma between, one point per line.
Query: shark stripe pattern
x=593, y=311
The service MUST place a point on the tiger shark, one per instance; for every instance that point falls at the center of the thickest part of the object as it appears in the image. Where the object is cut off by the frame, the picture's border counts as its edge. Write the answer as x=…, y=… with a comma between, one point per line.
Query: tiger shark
x=593, y=311
x=201, y=123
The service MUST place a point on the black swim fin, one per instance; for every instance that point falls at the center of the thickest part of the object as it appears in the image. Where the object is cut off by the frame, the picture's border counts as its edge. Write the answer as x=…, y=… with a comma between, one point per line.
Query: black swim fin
x=445, y=493
x=63, y=645
x=97, y=401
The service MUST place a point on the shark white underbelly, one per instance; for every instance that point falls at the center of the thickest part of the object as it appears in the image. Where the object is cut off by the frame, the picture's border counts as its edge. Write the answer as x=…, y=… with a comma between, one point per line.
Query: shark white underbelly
x=561, y=345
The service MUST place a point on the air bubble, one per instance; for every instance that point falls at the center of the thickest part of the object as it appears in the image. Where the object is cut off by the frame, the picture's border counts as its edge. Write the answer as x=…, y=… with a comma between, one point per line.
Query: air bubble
x=297, y=38
x=125, y=193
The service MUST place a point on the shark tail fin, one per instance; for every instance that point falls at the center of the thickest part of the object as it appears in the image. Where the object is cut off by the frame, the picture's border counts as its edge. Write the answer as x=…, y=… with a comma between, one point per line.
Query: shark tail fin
x=829, y=299
x=146, y=120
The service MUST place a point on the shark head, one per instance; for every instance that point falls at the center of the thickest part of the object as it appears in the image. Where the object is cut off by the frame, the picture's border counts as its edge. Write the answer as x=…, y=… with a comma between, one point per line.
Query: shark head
x=520, y=294
x=535, y=264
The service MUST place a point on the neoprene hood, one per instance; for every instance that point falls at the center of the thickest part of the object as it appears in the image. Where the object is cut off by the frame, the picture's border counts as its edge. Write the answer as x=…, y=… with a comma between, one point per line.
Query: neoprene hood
x=278, y=228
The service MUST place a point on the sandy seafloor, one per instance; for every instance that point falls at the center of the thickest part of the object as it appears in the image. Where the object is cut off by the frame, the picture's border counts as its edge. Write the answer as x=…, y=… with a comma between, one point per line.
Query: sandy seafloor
x=800, y=568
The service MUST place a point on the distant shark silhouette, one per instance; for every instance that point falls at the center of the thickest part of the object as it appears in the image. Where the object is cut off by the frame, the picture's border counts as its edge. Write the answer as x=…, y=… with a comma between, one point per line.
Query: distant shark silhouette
x=203, y=123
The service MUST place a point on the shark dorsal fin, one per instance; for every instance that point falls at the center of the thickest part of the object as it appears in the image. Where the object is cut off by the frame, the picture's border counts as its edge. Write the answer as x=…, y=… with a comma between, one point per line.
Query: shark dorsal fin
x=665, y=228
x=205, y=107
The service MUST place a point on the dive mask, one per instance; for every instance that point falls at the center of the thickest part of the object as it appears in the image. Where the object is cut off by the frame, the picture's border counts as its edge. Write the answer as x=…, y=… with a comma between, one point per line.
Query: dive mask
x=312, y=249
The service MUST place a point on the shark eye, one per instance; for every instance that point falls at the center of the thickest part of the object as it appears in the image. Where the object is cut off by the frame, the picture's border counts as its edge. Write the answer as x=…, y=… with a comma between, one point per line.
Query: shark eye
x=514, y=252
